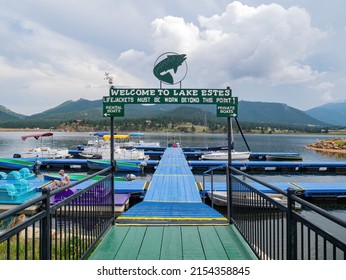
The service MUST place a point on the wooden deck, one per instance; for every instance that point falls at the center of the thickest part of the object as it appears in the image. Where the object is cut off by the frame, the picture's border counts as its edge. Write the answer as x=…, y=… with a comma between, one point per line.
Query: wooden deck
x=173, y=243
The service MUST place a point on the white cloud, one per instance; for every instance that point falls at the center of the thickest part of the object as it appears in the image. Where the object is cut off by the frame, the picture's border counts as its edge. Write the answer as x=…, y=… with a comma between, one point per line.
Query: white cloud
x=325, y=90
x=173, y=32
x=46, y=66
x=324, y=86
x=268, y=43
x=327, y=97
x=65, y=57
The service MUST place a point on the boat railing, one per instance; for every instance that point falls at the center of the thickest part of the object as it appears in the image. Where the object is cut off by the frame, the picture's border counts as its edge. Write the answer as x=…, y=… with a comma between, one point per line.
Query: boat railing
x=65, y=230
x=289, y=228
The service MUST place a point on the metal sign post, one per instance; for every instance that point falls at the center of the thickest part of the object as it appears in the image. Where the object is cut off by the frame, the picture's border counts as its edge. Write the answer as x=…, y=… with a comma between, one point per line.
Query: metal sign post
x=112, y=110
x=226, y=105
x=231, y=113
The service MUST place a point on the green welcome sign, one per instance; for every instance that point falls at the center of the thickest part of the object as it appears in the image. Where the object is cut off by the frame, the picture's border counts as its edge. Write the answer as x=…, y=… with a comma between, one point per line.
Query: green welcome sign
x=113, y=104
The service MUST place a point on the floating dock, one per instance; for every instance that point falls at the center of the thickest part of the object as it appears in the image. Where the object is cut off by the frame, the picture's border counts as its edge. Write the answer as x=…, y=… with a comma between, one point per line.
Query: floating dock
x=304, y=189
x=274, y=166
x=173, y=197
x=257, y=165
x=172, y=222
x=16, y=164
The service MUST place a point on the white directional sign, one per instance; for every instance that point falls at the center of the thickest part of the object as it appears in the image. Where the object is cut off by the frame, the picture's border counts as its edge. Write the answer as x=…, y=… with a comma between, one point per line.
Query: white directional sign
x=113, y=109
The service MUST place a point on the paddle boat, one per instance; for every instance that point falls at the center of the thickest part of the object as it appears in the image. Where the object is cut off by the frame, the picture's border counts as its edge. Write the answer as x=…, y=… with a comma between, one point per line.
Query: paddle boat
x=15, y=192
x=23, y=173
x=121, y=200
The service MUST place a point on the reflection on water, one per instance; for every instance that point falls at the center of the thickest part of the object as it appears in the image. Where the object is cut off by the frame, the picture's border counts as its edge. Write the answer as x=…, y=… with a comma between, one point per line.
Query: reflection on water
x=333, y=155
x=11, y=142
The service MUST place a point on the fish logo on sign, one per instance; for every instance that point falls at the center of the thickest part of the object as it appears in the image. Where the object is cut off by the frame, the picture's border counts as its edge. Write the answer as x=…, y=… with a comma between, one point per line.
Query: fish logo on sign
x=170, y=68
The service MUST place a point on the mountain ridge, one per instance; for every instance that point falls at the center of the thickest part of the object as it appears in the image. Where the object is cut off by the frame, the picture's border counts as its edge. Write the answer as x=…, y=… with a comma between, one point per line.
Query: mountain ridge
x=333, y=112
x=248, y=111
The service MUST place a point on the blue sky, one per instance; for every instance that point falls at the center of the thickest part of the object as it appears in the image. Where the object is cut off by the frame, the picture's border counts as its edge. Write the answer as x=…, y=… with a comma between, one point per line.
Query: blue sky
x=289, y=52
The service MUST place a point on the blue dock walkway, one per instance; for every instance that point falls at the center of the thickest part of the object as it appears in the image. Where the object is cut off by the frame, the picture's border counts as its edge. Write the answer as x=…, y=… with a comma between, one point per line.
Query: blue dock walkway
x=172, y=197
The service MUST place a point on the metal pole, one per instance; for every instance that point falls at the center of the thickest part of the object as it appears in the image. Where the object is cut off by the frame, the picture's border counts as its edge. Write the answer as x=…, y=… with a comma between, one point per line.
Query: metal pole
x=291, y=227
x=113, y=164
x=212, y=188
x=242, y=134
x=46, y=233
x=228, y=173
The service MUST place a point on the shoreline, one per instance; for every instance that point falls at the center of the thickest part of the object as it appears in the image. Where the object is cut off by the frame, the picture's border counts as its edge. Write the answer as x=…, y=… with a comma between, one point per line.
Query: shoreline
x=20, y=129
x=326, y=150
x=26, y=130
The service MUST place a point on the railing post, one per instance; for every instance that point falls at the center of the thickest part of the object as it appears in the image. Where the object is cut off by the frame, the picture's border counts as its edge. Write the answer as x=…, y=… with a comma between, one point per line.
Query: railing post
x=212, y=188
x=228, y=173
x=204, y=188
x=291, y=228
x=113, y=166
x=46, y=232
x=229, y=193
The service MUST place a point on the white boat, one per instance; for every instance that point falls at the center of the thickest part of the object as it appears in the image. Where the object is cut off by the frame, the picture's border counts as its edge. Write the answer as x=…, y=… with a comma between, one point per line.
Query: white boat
x=140, y=142
x=122, y=153
x=223, y=155
x=42, y=151
x=93, y=148
x=132, y=140
x=101, y=150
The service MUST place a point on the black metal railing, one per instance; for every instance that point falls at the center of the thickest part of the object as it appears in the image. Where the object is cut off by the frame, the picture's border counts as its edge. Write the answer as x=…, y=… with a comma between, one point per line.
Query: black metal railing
x=274, y=225
x=67, y=229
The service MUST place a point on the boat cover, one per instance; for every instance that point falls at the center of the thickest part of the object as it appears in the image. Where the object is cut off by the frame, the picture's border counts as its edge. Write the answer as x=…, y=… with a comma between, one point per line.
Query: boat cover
x=37, y=135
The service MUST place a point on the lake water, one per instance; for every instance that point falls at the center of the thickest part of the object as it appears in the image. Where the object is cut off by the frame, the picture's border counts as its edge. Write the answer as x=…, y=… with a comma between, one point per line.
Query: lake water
x=11, y=143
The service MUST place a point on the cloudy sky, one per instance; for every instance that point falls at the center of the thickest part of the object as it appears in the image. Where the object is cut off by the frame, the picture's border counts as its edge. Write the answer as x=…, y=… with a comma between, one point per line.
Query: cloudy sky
x=289, y=52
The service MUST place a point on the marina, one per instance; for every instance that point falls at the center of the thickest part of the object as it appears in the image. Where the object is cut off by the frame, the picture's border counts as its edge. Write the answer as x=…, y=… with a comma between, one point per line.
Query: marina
x=171, y=193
